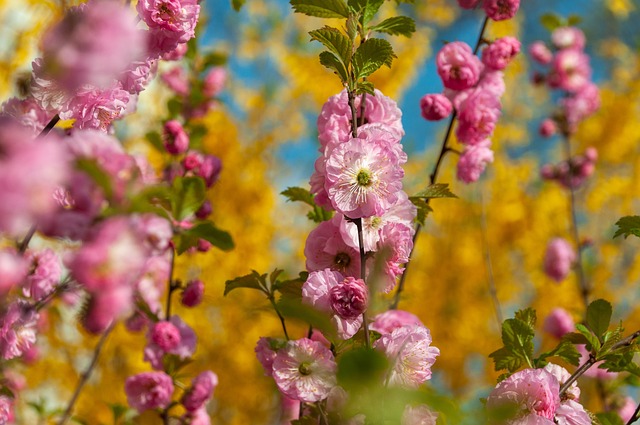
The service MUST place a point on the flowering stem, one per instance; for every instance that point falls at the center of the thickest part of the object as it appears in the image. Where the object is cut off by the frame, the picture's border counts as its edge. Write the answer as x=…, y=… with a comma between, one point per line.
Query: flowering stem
x=354, y=119
x=172, y=286
x=584, y=286
x=592, y=360
x=433, y=177
x=85, y=376
x=363, y=276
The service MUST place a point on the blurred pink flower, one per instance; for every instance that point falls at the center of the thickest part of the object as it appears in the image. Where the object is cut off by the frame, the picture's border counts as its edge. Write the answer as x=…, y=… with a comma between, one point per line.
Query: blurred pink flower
x=498, y=54
x=13, y=269
x=558, y=323
x=17, y=329
x=540, y=52
x=458, y=67
x=418, y=415
x=200, y=392
x=568, y=38
x=435, y=107
x=500, y=10
x=193, y=293
x=558, y=259
x=98, y=108
x=305, y=370
x=45, y=274
x=570, y=70
x=149, y=390
x=27, y=112
x=473, y=161
x=213, y=83
x=390, y=320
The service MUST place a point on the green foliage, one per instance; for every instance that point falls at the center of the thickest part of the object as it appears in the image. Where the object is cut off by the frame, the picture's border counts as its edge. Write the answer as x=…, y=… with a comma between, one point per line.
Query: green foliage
x=629, y=225
x=295, y=309
x=565, y=351
x=214, y=59
x=609, y=418
x=317, y=214
x=423, y=209
x=370, y=56
x=599, y=317
x=321, y=8
x=517, y=337
x=331, y=61
x=335, y=41
x=188, y=195
x=253, y=280
x=366, y=9
x=207, y=231
x=551, y=21
x=155, y=140
x=593, y=343
x=291, y=288
x=436, y=190
x=361, y=368
x=397, y=25
x=237, y=4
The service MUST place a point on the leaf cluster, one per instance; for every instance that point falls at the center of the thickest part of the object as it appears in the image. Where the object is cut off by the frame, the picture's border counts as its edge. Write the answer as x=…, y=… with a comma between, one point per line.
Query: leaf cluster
x=317, y=214
x=421, y=199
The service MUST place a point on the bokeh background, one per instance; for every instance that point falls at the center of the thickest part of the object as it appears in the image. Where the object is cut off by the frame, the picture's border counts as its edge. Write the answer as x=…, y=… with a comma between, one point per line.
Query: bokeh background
x=264, y=131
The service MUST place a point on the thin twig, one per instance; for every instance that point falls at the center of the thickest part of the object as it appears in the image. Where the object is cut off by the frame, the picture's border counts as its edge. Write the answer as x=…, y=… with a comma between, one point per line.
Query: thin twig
x=52, y=123
x=172, y=287
x=85, y=376
x=634, y=417
x=363, y=276
x=433, y=177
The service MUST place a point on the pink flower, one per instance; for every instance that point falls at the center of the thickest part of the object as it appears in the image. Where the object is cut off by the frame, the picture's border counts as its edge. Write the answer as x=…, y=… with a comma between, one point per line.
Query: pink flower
x=155, y=231
x=266, y=350
x=594, y=371
x=13, y=269
x=50, y=95
x=176, y=80
x=305, y=370
x=419, y=415
x=363, y=177
x=473, y=161
x=562, y=375
x=540, y=52
x=6, y=410
x=176, y=140
x=176, y=54
x=139, y=74
x=499, y=10
x=477, y=116
x=316, y=292
x=435, y=107
x=559, y=259
x=27, y=197
x=410, y=354
x=199, y=417
x=571, y=412
x=492, y=81
x=498, y=54
x=468, y=4
x=153, y=353
x=325, y=248
x=350, y=298
x=568, y=38
x=290, y=410
x=458, y=67
x=627, y=410
x=96, y=108
x=396, y=239
x=92, y=44
x=175, y=17
x=17, y=330
x=149, y=390
x=390, y=320
x=581, y=104
x=558, y=323
x=201, y=390
x=106, y=306
x=532, y=391
x=165, y=335
x=44, y=276
x=193, y=293
x=570, y=70
x=214, y=81
x=27, y=112
x=548, y=128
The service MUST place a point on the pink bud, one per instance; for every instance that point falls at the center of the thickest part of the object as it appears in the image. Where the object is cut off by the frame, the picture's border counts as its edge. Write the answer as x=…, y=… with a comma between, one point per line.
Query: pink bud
x=349, y=299
x=500, y=10
x=165, y=335
x=176, y=140
x=204, y=245
x=435, y=107
x=498, y=54
x=548, y=128
x=214, y=81
x=205, y=210
x=540, y=52
x=591, y=154
x=192, y=294
x=558, y=323
x=559, y=259
x=547, y=172
x=192, y=161
x=210, y=169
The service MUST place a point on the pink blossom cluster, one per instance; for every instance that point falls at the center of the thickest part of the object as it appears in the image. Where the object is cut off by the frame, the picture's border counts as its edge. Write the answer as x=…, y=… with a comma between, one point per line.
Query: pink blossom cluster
x=534, y=394
x=559, y=259
x=567, y=69
x=473, y=88
x=574, y=172
x=497, y=10
x=209, y=88
x=360, y=178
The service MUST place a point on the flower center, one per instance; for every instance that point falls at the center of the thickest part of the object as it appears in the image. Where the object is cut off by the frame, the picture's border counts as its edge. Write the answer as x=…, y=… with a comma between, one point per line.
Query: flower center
x=364, y=178
x=342, y=260
x=305, y=368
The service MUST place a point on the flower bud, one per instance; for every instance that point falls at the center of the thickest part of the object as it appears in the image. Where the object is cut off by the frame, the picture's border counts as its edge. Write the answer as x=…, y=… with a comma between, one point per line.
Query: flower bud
x=192, y=294
x=349, y=299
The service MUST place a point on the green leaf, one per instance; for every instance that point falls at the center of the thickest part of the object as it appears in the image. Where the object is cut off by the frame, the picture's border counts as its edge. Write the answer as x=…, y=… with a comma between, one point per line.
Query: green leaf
x=252, y=281
x=189, y=194
x=620, y=362
x=575, y=338
x=599, y=317
x=371, y=55
x=319, y=214
x=365, y=87
x=361, y=368
x=237, y=4
x=565, y=350
x=331, y=61
x=573, y=20
x=629, y=225
x=423, y=209
x=209, y=232
x=335, y=41
x=155, y=140
x=299, y=194
x=292, y=288
x=528, y=316
x=367, y=8
x=397, y=25
x=294, y=309
x=321, y=8
x=97, y=174
x=437, y=190
x=593, y=343
x=551, y=21
x=610, y=338
x=174, y=107
x=609, y=418
x=504, y=359
x=518, y=337
x=214, y=59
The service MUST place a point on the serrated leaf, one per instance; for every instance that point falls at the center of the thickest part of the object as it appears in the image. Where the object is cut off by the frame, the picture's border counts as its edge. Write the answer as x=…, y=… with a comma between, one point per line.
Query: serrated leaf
x=629, y=225
x=423, y=209
x=397, y=25
x=371, y=55
x=298, y=194
x=504, y=359
x=550, y=21
x=517, y=336
x=252, y=281
x=564, y=350
x=335, y=41
x=528, y=316
x=610, y=338
x=367, y=8
x=331, y=61
x=237, y=4
x=365, y=87
x=437, y=190
x=592, y=341
x=321, y=8
x=599, y=316
x=188, y=195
